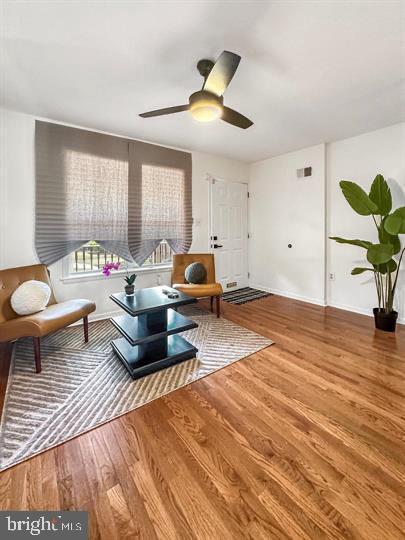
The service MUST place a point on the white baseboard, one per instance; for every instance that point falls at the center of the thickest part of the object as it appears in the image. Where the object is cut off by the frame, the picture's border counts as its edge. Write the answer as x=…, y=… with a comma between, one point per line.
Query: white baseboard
x=101, y=316
x=288, y=294
x=361, y=311
x=107, y=315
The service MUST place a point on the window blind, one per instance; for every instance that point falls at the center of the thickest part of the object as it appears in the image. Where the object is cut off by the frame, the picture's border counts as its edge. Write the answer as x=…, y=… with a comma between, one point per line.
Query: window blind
x=159, y=199
x=126, y=195
x=81, y=191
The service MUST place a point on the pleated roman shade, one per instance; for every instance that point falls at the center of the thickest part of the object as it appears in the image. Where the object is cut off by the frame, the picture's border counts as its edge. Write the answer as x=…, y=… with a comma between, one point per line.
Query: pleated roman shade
x=81, y=191
x=126, y=195
x=159, y=199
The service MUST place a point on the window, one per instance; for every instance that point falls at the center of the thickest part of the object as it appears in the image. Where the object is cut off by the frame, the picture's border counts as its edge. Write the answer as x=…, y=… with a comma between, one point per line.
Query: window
x=81, y=191
x=91, y=258
x=159, y=199
x=96, y=201
x=163, y=200
x=129, y=195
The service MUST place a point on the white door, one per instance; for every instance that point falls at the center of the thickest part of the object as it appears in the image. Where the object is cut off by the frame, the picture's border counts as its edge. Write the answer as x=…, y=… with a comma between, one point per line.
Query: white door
x=229, y=234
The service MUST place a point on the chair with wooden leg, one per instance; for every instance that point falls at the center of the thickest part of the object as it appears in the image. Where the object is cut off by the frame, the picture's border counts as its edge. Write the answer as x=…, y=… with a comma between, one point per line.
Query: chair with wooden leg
x=54, y=317
x=199, y=290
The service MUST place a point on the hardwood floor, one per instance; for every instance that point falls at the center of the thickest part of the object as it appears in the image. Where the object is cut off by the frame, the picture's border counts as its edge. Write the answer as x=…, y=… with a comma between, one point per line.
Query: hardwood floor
x=305, y=440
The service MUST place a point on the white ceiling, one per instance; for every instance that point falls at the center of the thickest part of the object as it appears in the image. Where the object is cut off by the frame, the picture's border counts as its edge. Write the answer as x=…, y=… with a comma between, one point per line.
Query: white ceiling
x=311, y=71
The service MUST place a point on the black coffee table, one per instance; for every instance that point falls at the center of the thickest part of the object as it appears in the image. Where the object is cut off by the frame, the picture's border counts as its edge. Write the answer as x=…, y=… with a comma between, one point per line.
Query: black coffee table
x=149, y=329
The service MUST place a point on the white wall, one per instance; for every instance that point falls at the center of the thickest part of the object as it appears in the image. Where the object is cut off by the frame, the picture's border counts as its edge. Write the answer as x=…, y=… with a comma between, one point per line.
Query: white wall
x=17, y=216
x=359, y=159
x=282, y=209
x=285, y=209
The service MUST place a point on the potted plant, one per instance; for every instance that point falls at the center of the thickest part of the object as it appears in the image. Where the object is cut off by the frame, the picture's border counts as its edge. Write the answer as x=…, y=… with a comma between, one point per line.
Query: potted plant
x=384, y=256
x=129, y=278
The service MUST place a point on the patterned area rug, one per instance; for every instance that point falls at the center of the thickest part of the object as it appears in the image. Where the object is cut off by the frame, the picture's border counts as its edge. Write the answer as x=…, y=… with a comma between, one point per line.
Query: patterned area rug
x=84, y=385
x=241, y=296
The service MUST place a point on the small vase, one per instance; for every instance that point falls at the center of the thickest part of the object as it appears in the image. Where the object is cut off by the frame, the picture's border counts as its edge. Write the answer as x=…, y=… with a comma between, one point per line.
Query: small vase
x=385, y=321
x=130, y=290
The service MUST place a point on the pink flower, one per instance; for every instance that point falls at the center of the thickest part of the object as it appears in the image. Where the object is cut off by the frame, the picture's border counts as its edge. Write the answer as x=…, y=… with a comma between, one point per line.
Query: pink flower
x=110, y=266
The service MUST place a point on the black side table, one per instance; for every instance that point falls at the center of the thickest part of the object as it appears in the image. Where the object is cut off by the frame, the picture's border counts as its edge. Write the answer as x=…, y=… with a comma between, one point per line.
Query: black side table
x=149, y=329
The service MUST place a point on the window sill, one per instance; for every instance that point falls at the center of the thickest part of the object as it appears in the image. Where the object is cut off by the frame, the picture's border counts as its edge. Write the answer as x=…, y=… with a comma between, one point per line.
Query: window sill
x=93, y=276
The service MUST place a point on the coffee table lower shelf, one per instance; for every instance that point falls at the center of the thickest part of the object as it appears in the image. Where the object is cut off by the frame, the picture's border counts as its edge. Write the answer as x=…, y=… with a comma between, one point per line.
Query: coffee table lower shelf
x=141, y=360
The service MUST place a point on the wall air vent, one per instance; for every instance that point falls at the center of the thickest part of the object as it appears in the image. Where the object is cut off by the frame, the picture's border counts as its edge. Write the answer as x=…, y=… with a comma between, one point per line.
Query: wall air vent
x=303, y=173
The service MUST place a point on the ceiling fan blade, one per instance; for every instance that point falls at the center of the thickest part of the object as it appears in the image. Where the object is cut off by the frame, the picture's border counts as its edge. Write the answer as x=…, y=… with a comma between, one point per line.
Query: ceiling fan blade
x=221, y=74
x=235, y=118
x=168, y=110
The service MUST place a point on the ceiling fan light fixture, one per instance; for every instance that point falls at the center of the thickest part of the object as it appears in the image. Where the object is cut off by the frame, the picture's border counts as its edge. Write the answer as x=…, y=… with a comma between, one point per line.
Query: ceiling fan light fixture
x=206, y=112
x=207, y=104
x=205, y=107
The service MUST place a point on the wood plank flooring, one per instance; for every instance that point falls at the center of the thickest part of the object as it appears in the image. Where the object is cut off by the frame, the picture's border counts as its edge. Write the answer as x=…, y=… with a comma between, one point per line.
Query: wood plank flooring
x=303, y=440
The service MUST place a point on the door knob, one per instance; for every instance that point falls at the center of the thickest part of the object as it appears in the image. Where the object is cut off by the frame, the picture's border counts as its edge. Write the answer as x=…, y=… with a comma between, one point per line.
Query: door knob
x=215, y=246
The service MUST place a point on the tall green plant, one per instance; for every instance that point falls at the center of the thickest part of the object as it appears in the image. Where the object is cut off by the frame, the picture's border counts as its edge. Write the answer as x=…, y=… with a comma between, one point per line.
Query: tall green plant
x=386, y=255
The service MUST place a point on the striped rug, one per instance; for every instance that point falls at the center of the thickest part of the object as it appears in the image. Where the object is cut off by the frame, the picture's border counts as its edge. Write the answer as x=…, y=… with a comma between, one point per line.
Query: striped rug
x=241, y=296
x=83, y=385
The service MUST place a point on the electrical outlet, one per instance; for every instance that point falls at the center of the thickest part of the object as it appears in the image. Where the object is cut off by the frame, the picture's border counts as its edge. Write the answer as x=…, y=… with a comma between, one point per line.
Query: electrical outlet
x=159, y=279
x=331, y=276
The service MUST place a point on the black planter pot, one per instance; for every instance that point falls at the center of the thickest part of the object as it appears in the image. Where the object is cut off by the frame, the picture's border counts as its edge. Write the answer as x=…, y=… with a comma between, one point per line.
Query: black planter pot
x=385, y=321
x=129, y=290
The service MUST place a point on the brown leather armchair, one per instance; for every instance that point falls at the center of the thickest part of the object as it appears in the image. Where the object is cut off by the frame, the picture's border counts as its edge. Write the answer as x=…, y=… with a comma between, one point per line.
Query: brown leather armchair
x=208, y=288
x=37, y=325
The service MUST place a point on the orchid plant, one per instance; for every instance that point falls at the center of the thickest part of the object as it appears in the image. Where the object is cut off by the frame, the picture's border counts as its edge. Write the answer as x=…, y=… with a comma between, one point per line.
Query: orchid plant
x=110, y=266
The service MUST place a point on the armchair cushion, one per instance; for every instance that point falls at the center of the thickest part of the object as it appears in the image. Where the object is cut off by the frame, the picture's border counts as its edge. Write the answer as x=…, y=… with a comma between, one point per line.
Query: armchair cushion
x=30, y=297
x=181, y=261
x=11, y=278
x=195, y=273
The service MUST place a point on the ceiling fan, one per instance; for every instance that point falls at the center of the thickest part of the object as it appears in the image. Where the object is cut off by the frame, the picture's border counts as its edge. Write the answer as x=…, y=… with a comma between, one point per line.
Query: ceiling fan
x=208, y=103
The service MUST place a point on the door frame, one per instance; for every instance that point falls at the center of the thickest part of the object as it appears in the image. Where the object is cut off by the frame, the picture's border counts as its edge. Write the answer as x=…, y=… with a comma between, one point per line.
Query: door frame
x=211, y=179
